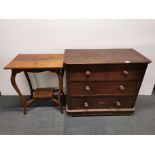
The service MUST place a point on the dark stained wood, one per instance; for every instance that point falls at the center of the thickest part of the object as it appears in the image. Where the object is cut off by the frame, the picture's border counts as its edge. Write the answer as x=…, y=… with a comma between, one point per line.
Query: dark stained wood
x=100, y=112
x=103, y=56
x=106, y=72
x=38, y=63
x=101, y=102
x=103, y=81
x=103, y=88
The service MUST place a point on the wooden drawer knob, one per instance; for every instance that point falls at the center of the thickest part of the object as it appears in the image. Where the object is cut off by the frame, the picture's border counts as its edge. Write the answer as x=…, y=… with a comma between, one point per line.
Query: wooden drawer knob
x=101, y=102
x=86, y=104
x=87, y=88
x=122, y=87
x=118, y=104
x=88, y=73
x=125, y=72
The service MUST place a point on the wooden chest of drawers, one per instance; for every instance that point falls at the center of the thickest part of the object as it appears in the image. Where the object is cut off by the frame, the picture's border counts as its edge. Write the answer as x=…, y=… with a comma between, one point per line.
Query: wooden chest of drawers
x=103, y=81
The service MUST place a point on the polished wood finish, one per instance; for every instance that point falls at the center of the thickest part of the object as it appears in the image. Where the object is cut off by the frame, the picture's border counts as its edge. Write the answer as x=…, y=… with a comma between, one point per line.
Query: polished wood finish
x=106, y=73
x=103, y=56
x=43, y=93
x=29, y=82
x=103, y=88
x=38, y=63
x=92, y=112
x=21, y=97
x=100, y=102
x=103, y=81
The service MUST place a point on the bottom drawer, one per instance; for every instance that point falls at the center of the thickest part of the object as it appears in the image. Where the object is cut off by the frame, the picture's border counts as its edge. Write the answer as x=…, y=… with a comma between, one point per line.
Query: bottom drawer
x=101, y=102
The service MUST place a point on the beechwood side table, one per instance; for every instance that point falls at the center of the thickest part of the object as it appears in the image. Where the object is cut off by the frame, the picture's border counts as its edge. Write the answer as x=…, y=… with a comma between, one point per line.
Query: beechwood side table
x=36, y=63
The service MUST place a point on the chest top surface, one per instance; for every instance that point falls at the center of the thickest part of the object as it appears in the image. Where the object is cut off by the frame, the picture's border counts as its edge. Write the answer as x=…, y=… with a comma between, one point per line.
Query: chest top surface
x=36, y=61
x=103, y=56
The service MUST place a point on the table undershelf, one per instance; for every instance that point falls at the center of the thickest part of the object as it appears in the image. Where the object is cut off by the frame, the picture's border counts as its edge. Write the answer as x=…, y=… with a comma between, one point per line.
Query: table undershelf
x=41, y=93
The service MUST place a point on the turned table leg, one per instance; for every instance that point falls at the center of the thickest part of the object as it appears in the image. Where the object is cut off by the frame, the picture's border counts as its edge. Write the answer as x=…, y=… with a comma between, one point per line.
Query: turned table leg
x=13, y=81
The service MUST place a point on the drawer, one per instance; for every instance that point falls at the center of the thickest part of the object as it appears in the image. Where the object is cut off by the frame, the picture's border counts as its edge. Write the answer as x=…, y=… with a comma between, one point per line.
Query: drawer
x=101, y=102
x=103, y=88
x=105, y=72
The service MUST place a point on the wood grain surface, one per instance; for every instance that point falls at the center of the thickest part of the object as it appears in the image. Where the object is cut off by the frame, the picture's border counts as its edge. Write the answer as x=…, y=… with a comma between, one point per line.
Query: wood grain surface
x=103, y=56
x=103, y=81
x=36, y=61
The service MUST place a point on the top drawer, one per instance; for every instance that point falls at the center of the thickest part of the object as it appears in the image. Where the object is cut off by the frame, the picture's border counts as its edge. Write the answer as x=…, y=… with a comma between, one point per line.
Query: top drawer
x=105, y=72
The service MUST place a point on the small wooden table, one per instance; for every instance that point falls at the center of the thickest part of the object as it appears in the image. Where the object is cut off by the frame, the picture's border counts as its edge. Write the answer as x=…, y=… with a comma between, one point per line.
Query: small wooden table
x=38, y=63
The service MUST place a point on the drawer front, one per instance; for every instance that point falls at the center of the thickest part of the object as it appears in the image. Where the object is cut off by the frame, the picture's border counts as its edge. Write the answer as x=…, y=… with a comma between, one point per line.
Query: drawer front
x=103, y=88
x=101, y=103
x=105, y=72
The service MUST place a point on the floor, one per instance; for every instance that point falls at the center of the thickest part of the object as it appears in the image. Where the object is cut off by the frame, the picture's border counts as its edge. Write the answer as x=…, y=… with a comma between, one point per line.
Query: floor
x=43, y=118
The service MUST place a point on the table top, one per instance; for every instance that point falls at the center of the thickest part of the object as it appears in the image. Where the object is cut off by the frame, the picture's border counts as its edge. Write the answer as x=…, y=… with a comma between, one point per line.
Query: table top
x=103, y=56
x=36, y=61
